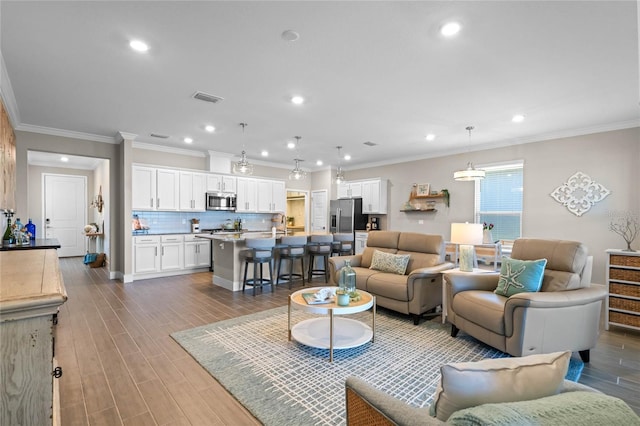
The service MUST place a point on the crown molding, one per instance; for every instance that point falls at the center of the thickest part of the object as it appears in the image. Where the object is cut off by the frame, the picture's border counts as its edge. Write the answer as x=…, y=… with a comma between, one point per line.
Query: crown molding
x=171, y=150
x=65, y=133
x=7, y=95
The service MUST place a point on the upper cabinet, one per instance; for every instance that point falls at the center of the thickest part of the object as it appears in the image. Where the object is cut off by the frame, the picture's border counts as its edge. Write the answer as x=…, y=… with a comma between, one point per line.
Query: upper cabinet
x=154, y=189
x=350, y=190
x=372, y=191
x=247, y=194
x=221, y=183
x=272, y=196
x=192, y=191
x=374, y=196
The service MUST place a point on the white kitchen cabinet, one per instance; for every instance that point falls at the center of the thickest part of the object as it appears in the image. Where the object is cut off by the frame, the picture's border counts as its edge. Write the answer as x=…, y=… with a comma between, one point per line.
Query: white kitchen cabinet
x=145, y=254
x=167, y=189
x=246, y=194
x=350, y=190
x=197, y=252
x=272, y=196
x=144, y=188
x=221, y=183
x=172, y=253
x=374, y=196
x=360, y=242
x=192, y=191
x=154, y=189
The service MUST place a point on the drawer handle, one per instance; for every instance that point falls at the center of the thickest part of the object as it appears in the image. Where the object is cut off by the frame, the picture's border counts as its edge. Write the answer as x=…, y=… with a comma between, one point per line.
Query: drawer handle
x=57, y=372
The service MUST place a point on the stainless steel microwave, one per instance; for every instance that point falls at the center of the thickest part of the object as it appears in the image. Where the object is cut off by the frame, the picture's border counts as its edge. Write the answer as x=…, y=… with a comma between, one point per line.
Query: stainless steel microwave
x=221, y=201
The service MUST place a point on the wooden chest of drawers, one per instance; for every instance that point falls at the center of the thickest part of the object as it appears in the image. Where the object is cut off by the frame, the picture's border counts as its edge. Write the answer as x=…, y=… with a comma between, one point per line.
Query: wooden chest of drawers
x=623, y=287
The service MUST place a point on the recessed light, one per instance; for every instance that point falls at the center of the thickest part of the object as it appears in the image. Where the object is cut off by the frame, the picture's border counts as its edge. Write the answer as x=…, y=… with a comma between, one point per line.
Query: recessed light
x=64, y=159
x=138, y=45
x=290, y=35
x=518, y=118
x=209, y=128
x=450, y=29
x=347, y=157
x=291, y=145
x=319, y=163
x=188, y=140
x=297, y=100
x=430, y=137
x=265, y=153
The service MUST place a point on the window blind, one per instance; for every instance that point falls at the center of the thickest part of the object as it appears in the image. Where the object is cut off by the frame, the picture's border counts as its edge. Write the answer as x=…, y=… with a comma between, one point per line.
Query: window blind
x=498, y=199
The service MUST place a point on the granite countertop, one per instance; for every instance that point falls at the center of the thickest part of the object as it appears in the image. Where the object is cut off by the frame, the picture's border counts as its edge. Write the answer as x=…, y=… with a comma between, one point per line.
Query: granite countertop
x=38, y=243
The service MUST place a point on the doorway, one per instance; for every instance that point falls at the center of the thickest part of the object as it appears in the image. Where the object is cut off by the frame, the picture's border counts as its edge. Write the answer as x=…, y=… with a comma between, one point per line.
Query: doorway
x=296, y=214
x=319, y=209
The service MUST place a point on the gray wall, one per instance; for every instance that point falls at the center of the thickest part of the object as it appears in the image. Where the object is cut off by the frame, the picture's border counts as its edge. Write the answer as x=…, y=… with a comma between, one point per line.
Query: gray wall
x=26, y=141
x=610, y=158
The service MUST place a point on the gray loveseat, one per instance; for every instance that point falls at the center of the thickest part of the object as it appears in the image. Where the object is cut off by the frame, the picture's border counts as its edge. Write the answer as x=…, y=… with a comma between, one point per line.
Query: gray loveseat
x=418, y=290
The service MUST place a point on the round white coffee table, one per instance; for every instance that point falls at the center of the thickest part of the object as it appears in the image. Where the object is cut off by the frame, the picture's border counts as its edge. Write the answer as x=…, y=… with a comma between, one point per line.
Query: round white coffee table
x=331, y=332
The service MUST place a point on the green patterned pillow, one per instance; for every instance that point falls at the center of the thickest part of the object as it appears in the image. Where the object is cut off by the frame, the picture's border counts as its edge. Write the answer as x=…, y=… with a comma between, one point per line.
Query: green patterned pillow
x=519, y=276
x=387, y=262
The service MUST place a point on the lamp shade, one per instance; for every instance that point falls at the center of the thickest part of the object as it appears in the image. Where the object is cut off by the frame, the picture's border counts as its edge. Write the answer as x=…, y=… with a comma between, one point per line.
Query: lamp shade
x=466, y=233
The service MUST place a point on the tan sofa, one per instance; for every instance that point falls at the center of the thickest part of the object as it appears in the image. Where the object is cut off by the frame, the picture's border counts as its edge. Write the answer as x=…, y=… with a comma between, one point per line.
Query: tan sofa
x=417, y=291
x=563, y=315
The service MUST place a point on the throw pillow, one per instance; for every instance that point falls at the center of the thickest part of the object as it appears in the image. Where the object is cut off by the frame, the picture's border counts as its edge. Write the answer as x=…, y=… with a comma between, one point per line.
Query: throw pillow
x=519, y=276
x=468, y=384
x=387, y=262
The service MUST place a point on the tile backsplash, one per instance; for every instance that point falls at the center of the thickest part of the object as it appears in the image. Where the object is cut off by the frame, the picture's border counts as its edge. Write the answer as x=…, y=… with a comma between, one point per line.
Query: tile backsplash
x=180, y=222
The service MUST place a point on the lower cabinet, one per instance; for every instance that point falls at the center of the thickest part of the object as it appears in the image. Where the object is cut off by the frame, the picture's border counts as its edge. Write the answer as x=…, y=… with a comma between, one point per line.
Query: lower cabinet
x=197, y=252
x=162, y=255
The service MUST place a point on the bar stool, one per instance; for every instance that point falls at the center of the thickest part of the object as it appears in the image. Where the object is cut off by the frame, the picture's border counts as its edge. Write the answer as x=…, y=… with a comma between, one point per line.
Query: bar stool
x=258, y=252
x=342, y=244
x=319, y=246
x=291, y=249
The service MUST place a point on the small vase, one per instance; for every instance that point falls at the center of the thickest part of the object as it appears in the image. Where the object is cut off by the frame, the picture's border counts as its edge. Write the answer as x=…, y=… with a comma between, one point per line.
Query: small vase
x=487, y=237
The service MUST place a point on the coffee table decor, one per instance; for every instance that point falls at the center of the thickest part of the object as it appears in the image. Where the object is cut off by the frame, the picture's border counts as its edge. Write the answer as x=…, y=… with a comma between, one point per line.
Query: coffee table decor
x=282, y=382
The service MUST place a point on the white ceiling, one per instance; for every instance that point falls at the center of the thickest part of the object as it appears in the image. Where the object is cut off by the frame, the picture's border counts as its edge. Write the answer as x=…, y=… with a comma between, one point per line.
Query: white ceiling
x=370, y=71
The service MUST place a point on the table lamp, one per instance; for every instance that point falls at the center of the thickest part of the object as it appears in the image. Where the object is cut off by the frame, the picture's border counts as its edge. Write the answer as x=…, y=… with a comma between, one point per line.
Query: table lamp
x=466, y=235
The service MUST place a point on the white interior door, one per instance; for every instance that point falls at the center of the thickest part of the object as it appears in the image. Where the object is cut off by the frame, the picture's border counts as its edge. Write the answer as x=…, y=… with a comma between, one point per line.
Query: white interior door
x=319, y=209
x=65, y=211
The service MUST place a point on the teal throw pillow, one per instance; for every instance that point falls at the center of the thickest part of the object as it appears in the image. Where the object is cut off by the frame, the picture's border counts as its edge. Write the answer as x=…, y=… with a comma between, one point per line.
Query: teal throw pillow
x=388, y=262
x=520, y=276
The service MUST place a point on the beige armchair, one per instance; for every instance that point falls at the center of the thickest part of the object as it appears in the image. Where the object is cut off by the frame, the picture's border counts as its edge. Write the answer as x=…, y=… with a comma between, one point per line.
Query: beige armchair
x=563, y=315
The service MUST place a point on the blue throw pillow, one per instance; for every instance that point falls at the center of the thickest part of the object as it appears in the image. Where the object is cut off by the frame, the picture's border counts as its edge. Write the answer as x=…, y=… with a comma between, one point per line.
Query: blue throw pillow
x=519, y=276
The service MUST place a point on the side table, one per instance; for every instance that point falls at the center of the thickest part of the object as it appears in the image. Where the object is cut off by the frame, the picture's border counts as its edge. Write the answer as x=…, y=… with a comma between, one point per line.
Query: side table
x=475, y=271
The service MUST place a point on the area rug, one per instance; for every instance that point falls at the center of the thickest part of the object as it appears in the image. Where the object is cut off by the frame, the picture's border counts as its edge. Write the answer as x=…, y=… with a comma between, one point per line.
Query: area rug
x=286, y=383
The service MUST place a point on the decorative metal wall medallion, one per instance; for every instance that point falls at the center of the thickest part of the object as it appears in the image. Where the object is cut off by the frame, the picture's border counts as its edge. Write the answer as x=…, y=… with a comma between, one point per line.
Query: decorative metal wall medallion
x=580, y=193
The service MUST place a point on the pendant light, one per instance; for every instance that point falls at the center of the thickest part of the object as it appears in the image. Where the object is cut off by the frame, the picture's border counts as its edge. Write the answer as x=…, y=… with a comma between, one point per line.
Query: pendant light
x=339, y=178
x=470, y=173
x=297, y=173
x=243, y=167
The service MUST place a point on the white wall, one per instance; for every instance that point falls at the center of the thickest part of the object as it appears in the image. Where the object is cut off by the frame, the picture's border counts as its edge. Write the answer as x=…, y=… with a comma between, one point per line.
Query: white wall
x=610, y=158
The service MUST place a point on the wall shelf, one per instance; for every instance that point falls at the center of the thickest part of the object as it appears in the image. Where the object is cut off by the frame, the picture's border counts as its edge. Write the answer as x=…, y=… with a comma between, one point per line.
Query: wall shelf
x=418, y=210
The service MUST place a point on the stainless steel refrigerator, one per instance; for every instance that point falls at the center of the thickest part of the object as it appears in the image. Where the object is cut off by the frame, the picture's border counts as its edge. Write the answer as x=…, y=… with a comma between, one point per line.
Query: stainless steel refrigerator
x=346, y=216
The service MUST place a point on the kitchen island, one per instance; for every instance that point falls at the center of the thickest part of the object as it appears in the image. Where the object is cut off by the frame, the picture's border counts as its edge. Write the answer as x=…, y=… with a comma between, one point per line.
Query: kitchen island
x=38, y=243
x=226, y=247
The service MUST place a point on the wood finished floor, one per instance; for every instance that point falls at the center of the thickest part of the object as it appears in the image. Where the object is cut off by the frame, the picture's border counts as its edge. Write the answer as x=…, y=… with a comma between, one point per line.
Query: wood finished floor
x=121, y=367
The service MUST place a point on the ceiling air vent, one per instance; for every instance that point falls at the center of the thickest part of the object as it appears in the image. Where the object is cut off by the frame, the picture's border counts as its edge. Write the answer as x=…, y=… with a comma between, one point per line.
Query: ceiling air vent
x=369, y=143
x=156, y=135
x=207, y=97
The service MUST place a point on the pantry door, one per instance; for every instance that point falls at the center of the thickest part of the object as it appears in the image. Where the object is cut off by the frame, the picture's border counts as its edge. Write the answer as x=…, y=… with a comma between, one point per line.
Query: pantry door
x=65, y=212
x=319, y=210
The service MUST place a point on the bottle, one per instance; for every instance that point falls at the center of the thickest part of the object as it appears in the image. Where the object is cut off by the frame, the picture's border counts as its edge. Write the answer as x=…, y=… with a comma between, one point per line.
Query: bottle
x=7, y=238
x=273, y=232
x=347, y=280
x=31, y=229
x=17, y=232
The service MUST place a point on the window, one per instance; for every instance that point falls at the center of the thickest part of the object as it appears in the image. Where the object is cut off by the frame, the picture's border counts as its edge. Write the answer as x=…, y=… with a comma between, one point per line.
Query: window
x=499, y=200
